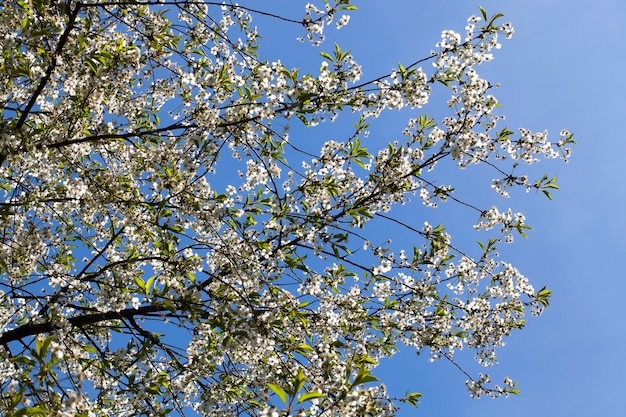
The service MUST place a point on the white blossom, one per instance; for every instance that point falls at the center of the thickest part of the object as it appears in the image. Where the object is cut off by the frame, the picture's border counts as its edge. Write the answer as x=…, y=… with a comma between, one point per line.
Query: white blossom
x=172, y=241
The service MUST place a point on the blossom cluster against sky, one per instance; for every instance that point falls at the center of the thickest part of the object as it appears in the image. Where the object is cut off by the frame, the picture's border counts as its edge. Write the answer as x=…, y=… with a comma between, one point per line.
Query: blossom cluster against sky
x=561, y=69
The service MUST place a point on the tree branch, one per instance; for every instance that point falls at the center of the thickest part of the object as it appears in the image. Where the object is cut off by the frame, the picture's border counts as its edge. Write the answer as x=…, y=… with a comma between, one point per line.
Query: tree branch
x=32, y=329
x=208, y=3
x=44, y=80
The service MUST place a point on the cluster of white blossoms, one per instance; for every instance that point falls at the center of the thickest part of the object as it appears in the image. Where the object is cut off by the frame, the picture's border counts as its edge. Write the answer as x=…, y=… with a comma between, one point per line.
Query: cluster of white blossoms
x=167, y=246
x=316, y=18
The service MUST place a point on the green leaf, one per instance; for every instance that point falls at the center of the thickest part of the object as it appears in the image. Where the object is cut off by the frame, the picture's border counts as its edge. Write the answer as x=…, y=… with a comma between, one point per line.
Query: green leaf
x=364, y=376
x=299, y=381
x=140, y=283
x=412, y=398
x=347, y=7
x=367, y=359
x=279, y=391
x=30, y=411
x=543, y=296
x=367, y=378
x=483, y=12
x=23, y=359
x=303, y=119
x=148, y=287
x=309, y=396
x=303, y=347
x=42, y=346
x=327, y=56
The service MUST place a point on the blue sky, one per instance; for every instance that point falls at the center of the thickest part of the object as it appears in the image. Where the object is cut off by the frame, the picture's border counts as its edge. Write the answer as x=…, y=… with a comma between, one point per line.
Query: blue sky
x=562, y=69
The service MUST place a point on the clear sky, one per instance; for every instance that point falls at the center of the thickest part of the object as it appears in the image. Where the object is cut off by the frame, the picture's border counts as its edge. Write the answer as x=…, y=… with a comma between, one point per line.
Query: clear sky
x=564, y=68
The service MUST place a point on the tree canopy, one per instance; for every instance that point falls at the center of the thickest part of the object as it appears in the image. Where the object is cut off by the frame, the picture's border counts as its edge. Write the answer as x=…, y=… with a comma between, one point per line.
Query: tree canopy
x=175, y=239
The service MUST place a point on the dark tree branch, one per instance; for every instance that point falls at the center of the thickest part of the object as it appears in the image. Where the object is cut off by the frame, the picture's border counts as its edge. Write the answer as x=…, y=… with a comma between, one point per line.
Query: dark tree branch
x=208, y=3
x=44, y=80
x=32, y=329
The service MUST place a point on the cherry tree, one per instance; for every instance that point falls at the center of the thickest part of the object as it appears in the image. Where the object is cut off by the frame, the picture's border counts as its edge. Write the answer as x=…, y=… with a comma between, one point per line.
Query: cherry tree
x=169, y=245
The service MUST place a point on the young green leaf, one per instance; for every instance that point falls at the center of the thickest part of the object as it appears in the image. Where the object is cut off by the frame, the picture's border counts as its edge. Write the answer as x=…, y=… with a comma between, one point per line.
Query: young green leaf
x=279, y=391
x=307, y=396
